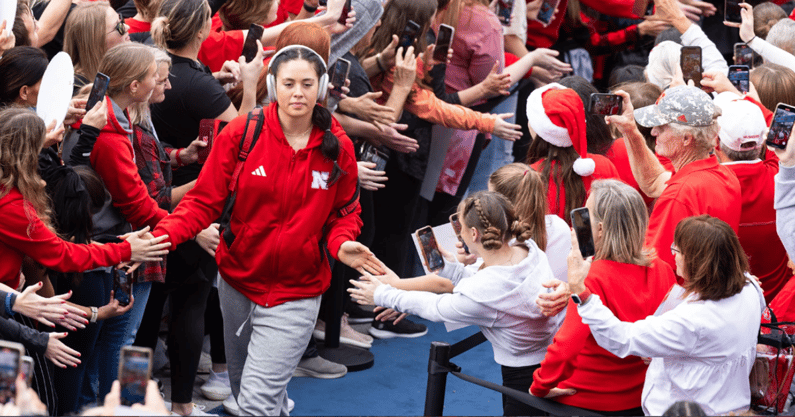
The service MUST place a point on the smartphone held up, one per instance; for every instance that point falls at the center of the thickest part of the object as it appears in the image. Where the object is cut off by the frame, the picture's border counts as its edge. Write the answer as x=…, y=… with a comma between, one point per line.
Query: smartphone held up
x=10, y=363
x=430, y=249
x=605, y=104
x=135, y=369
x=781, y=128
x=581, y=221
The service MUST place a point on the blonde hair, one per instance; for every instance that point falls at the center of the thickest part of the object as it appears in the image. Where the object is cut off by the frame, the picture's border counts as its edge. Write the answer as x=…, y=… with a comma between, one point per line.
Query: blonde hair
x=178, y=22
x=126, y=63
x=624, y=218
x=522, y=185
x=139, y=112
x=22, y=135
x=84, y=37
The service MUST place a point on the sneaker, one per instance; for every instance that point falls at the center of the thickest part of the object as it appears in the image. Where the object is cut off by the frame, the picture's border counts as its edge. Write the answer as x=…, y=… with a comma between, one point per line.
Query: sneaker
x=231, y=407
x=198, y=410
x=217, y=387
x=348, y=336
x=319, y=367
x=358, y=315
x=404, y=328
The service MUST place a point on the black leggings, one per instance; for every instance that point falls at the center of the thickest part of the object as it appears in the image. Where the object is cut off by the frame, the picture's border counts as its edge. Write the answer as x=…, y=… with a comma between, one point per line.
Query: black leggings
x=518, y=378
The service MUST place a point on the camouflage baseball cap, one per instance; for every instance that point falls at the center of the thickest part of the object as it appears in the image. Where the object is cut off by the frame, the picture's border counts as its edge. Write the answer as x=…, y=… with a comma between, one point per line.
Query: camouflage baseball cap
x=683, y=104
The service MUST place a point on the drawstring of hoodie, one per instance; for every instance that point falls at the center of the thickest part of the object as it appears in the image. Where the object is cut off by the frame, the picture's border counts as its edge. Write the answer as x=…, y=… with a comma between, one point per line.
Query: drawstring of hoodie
x=248, y=317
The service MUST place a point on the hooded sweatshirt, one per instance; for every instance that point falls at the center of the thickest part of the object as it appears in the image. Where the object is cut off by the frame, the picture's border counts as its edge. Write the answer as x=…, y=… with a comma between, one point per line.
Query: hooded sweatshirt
x=284, y=209
x=500, y=299
x=114, y=161
x=367, y=14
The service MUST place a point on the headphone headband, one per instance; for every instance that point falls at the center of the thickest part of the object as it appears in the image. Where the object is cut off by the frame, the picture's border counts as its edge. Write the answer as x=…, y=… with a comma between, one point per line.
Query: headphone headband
x=297, y=47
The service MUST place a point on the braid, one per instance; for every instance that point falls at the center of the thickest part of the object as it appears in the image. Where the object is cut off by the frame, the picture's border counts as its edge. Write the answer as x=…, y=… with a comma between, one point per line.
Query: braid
x=492, y=237
x=330, y=148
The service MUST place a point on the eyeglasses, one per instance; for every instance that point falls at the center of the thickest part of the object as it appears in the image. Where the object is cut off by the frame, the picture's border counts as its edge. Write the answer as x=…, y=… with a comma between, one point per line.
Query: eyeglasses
x=675, y=250
x=120, y=26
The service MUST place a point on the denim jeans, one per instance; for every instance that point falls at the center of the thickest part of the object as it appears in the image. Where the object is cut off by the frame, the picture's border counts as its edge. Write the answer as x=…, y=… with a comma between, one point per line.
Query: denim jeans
x=498, y=153
x=115, y=333
x=92, y=291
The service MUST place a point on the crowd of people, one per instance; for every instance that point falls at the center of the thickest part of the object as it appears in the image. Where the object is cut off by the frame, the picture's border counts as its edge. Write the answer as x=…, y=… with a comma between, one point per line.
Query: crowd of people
x=221, y=192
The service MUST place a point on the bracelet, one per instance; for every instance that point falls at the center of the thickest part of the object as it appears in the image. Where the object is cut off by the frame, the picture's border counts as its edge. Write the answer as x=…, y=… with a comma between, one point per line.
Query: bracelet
x=180, y=163
x=379, y=63
x=94, y=312
x=9, y=304
x=309, y=8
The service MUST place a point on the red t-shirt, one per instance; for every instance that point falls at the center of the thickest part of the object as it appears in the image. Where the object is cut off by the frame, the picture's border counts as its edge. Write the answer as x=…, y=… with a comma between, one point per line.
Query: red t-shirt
x=604, y=170
x=221, y=46
x=602, y=380
x=137, y=26
x=766, y=253
x=618, y=156
x=287, y=7
x=701, y=187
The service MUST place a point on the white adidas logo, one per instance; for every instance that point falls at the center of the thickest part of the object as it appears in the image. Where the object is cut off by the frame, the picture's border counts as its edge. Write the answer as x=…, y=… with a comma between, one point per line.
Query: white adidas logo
x=259, y=172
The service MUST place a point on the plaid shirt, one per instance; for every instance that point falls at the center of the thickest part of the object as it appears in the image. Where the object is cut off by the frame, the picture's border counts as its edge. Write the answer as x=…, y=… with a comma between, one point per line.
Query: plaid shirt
x=154, y=167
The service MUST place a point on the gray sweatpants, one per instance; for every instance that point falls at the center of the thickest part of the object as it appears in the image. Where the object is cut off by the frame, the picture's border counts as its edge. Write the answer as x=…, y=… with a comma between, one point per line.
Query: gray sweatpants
x=263, y=348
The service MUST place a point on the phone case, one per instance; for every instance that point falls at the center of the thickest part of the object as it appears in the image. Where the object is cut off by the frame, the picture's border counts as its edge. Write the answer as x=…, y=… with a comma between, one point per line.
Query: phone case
x=691, y=64
x=431, y=255
x=583, y=230
x=208, y=128
x=781, y=128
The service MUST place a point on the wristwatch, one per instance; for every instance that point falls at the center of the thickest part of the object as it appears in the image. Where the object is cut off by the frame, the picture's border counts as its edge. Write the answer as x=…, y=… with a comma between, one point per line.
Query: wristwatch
x=581, y=298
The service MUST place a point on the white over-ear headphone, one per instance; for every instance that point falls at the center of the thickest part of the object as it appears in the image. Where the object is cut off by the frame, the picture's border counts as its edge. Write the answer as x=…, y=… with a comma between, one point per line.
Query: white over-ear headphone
x=322, y=88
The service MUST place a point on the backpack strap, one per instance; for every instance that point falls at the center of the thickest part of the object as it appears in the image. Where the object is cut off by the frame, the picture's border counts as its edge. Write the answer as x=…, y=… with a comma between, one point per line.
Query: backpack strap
x=352, y=204
x=247, y=144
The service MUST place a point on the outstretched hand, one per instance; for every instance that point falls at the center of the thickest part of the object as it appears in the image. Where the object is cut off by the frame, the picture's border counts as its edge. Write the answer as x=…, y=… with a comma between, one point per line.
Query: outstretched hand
x=49, y=311
x=364, y=291
x=359, y=257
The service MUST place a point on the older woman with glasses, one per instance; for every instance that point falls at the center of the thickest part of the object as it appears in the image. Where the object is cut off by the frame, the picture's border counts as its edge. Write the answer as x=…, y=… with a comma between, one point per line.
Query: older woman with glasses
x=633, y=282
x=92, y=28
x=703, y=343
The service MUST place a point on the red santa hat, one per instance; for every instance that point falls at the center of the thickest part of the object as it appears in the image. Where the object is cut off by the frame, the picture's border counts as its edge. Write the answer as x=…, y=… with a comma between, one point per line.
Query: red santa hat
x=557, y=115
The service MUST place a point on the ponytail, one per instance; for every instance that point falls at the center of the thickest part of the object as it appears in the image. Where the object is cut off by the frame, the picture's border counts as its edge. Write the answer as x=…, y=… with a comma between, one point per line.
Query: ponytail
x=330, y=148
x=160, y=31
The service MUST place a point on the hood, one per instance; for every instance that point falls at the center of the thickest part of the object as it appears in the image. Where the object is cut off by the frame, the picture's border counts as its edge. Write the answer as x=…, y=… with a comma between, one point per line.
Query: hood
x=367, y=14
x=512, y=289
x=118, y=122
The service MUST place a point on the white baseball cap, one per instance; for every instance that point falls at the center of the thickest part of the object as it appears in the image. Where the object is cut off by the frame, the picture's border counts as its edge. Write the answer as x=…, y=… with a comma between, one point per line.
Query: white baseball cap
x=741, y=122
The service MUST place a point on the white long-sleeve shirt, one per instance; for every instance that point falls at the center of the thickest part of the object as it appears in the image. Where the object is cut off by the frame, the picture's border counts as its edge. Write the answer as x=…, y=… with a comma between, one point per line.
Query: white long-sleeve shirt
x=785, y=207
x=499, y=299
x=772, y=53
x=710, y=56
x=701, y=351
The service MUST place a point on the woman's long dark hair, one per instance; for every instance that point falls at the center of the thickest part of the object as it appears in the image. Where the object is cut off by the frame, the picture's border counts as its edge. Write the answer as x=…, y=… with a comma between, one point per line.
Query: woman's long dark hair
x=562, y=173
x=321, y=117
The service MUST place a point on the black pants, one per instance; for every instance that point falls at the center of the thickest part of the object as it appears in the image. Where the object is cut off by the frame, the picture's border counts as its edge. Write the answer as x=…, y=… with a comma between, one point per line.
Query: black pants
x=188, y=285
x=518, y=378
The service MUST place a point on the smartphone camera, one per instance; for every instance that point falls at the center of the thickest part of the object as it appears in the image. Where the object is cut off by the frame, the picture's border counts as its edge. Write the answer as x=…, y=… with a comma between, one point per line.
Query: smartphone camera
x=780, y=130
x=135, y=367
x=605, y=104
x=581, y=221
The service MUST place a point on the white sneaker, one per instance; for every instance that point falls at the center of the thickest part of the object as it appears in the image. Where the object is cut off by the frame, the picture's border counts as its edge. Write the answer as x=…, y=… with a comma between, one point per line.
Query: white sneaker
x=217, y=387
x=198, y=410
x=231, y=407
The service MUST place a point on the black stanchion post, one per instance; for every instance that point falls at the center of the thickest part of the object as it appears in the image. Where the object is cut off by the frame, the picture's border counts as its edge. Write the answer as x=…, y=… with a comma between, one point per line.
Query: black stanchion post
x=438, y=363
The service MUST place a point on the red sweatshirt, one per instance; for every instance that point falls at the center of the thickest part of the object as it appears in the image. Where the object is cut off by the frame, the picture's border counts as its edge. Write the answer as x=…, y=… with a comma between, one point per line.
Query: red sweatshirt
x=23, y=234
x=113, y=159
x=574, y=360
x=700, y=187
x=284, y=208
x=557, y=203
x=221, y=46
x=766, y=253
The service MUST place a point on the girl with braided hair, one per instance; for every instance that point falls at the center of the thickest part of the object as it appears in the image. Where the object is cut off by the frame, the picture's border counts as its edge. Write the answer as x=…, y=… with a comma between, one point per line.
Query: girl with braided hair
x=500, y=296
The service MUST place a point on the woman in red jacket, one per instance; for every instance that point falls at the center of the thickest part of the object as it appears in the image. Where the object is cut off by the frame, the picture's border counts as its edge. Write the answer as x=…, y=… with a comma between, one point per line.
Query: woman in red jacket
x=296, y=195
x=633, y=282
x=25, y=226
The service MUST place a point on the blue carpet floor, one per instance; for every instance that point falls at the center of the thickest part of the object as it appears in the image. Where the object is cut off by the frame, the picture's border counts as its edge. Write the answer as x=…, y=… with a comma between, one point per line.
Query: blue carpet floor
x=395, y=385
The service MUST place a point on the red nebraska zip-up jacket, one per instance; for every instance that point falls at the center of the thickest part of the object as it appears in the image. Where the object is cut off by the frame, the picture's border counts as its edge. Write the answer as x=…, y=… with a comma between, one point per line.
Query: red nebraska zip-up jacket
x=282, y=209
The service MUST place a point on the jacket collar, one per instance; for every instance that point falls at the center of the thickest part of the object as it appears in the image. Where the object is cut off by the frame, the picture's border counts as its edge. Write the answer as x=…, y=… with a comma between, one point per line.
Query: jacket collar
x=118, y=122
x=315, y=137
x=701, y=165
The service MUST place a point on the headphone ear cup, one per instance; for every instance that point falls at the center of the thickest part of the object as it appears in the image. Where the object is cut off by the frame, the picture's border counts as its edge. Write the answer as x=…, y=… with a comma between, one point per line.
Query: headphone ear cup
x=322, y=87
x=270, y=81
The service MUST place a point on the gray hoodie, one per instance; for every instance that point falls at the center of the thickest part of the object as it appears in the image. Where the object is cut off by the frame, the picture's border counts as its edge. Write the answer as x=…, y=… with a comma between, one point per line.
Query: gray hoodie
x=499, y=299
x=367, y=14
